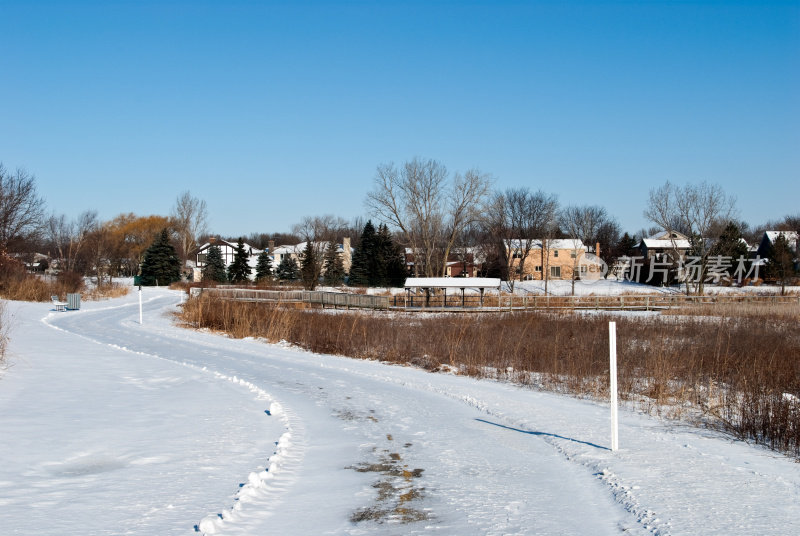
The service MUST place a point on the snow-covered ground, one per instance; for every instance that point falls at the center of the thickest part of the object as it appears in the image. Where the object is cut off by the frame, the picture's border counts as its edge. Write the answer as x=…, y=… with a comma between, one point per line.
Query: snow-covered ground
x=112, y=427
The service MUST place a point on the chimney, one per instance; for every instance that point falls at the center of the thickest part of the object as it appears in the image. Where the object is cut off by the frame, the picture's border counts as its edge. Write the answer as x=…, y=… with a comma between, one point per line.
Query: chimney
x=271, y=245
x=597, y=249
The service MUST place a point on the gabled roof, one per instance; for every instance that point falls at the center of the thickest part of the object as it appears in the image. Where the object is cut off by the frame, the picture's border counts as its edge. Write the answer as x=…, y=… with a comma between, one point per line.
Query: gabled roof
x=651, y=243
x=555, y=243
x=665, y=235
x=220, y=242
x=790, y=236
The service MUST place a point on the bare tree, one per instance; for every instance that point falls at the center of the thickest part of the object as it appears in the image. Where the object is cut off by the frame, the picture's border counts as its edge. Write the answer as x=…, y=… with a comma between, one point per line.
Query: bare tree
x=69, y=237
x=427, y=208
x=520, y=218
x=696, y=210
x=190, y=217
x=318, y=232
x=21, y=208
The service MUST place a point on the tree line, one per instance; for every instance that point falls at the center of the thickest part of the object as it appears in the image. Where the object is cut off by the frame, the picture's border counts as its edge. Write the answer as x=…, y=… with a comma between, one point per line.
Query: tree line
x=421, y=209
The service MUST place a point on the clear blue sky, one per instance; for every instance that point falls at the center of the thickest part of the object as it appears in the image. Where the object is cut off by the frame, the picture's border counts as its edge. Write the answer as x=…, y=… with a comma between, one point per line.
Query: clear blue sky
x=272, y=111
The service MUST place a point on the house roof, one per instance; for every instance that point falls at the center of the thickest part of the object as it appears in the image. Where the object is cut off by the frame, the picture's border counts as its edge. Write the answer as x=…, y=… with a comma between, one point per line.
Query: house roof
x=791, y=236
x=555, y=243
x=665, y=235
x=297, y=249
x=452, y=282
x=220, y=242
x=651, y=243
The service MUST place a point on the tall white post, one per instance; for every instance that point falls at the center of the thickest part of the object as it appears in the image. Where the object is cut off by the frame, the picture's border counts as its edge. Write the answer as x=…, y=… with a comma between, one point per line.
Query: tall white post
x=140, y=304
x=612, y=342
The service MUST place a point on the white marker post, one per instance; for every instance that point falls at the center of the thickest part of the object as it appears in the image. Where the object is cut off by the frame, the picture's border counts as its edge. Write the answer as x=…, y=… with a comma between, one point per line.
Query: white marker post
x=612, y=343
x=140, y=304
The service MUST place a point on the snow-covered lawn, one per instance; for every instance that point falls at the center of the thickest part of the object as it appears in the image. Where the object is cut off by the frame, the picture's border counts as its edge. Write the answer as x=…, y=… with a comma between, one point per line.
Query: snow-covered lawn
x=112, y=427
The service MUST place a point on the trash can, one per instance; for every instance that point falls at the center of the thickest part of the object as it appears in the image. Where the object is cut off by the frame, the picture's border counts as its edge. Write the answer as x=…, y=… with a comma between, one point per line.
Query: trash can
x=73, y=302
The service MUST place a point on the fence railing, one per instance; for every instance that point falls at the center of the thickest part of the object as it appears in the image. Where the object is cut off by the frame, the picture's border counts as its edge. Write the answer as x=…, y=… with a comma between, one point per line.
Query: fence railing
x=315, y=297
x=645, y=302
x=454, y=302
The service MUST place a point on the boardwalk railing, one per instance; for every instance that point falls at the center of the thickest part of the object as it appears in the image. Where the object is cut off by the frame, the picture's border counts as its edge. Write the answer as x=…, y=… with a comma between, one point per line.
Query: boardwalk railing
x=640, y=302
x=325, y=299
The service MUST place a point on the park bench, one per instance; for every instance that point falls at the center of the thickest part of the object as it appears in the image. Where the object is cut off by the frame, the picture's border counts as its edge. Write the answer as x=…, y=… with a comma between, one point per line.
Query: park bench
x=59, y=305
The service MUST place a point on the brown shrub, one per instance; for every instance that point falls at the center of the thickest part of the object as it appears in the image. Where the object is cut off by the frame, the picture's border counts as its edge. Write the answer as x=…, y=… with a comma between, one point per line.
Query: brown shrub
x=740, y=375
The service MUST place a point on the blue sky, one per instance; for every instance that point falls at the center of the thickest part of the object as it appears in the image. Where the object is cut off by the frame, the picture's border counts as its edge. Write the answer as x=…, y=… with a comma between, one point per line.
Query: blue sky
x=272, y=111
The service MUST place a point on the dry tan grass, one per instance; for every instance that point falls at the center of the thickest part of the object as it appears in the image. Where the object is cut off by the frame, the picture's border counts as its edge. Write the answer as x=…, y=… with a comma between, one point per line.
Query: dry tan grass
x=740, y=371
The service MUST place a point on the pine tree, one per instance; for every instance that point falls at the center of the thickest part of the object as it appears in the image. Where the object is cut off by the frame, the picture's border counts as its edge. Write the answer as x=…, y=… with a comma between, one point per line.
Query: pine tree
x=160, y=265
x=263, y=267
x=288, y=269
x=389, y=268
x=781, y=261
x=334, y=268
x=214, y=270
x=730, y=244
x=239, y=270
x=394, y=261
x=360, y=266
x=308, y=267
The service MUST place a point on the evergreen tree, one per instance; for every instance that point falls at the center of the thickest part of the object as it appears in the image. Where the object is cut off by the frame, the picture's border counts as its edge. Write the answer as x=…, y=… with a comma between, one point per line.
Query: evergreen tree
x=214, y=270
x=263, y=267
x=288, y=269
x=360, y=266
x=781, y=261
x=308, y=267
x=390, y=266
x=378, y=261
x=239, y=270
x=160, y=265
x=730, y=244
x=334, y=268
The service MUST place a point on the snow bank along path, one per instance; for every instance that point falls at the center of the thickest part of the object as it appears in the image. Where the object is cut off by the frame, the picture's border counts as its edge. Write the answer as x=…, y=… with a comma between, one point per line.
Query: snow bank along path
x=111, y=427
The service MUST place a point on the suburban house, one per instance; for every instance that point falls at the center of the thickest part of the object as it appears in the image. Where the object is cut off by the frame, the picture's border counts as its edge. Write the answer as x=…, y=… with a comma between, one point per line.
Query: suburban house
x=669, y=243
x=228, y=250
x=769, y=238
x=562, y=258
x=462, y=262
x=296, y=252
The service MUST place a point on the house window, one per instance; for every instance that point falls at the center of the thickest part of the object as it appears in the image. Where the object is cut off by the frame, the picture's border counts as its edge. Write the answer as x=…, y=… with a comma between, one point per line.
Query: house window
x=537, y=268
x=572, y=254
x=201, y=257
x=555, y=253
x=517, y=255
x=555, y=272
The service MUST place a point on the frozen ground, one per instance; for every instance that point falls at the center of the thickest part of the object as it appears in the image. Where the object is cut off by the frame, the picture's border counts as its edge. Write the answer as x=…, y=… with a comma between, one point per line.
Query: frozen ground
x=112, y=427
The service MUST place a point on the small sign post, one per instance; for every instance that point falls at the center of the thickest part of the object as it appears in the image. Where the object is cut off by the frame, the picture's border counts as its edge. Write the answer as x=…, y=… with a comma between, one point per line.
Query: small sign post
x=612, y=342
x=140, y=304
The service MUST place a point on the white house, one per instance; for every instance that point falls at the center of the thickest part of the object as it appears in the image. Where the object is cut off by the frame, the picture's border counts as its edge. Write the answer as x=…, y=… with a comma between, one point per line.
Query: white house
x=228, y=250
x=296, y=251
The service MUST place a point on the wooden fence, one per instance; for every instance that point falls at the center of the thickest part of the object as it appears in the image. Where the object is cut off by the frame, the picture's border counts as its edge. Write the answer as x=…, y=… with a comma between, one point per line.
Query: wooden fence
x=324, y=299
x=490, y=302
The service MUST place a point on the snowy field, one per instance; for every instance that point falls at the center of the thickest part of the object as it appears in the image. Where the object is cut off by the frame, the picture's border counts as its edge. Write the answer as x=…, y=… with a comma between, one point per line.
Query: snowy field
x=112, y=427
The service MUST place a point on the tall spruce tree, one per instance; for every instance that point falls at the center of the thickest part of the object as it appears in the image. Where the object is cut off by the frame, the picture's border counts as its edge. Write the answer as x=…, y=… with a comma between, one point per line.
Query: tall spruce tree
x=161, y=265
x=288, y=269
x=360, y=266
x=308, y=267
x=392, y=259
x=730, y=244
x=780, y=264
x=263, y=267
x=333, y=265
x=239, y=270
x=214, y=270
